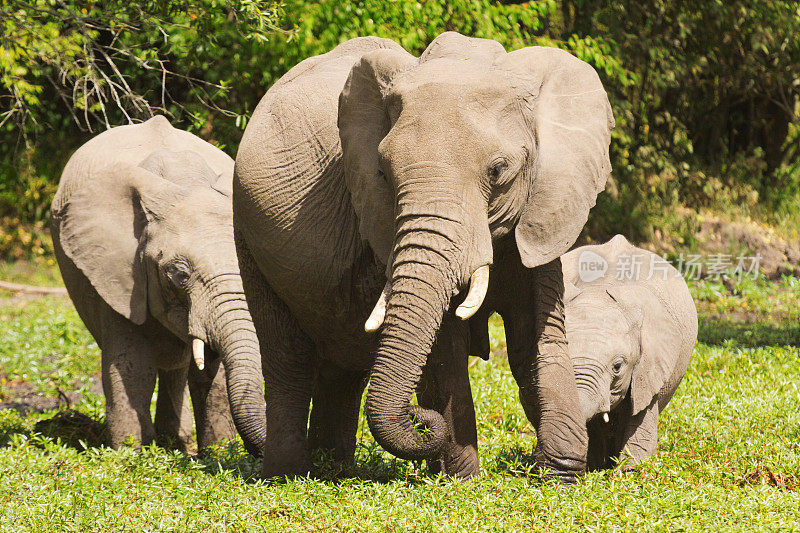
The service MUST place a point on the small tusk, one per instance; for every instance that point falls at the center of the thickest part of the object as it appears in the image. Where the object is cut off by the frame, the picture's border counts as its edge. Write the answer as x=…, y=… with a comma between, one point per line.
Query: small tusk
x=478, y=285
x=605, y=418
x=199, y=354
x=379, y=311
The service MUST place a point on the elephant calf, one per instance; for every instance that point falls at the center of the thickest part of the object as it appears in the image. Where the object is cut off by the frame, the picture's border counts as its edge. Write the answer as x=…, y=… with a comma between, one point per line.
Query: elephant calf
x=631, y=327
x=143, y=233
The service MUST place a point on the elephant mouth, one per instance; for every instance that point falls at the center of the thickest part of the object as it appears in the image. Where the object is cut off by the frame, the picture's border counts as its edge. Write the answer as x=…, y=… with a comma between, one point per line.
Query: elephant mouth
x=603, y=417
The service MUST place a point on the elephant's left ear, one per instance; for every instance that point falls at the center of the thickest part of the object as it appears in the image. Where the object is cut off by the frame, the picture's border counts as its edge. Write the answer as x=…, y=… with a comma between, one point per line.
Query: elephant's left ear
x=566, y=107
x=660, y=341
x=363, y=122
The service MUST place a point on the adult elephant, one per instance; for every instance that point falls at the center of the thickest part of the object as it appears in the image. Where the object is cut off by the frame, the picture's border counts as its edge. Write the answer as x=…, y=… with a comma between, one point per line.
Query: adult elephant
x=143, y=234
x=463, y=158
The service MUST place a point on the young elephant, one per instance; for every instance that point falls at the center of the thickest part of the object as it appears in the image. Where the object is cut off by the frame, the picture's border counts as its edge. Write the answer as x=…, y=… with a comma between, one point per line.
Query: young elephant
x=143, y=234
x=631, y=327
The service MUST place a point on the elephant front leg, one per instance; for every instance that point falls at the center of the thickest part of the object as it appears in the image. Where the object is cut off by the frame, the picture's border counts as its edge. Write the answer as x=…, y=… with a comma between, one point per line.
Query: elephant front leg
x=539, y=358
x=129, y=379
x=212, y=412
x=173, y=424
x=445, y=388
x=288, y=367
x=334, y=413
x=640, y=436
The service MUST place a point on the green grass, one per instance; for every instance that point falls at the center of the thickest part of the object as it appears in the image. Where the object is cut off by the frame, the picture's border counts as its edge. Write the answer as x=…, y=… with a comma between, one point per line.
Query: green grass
x=734, y=422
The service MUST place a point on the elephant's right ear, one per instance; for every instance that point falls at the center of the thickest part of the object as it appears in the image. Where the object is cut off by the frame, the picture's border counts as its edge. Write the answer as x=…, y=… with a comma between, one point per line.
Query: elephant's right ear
x=363, y=123
x=563, y=101
x=99, y=230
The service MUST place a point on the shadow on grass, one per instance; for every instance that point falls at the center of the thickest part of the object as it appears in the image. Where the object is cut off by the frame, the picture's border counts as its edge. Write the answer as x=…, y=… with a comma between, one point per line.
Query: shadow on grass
x=715, y=331
x=74, y=429
x=70, y=427
x=372, y=465
x=85, y=434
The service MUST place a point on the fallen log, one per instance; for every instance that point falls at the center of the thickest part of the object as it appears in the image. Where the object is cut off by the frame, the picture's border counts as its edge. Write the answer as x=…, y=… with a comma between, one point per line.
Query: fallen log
x=31, y=289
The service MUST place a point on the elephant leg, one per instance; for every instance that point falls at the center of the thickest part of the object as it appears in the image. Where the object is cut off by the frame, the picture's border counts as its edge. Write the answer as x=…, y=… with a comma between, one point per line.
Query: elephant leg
x=173, y=424
x=212, y=413
x=287, y=362
x=287, y=357
x=539, y=359
x=336, y=402
x=129, y=379
x=288, y=377
x=445, y=388
x=640, y=435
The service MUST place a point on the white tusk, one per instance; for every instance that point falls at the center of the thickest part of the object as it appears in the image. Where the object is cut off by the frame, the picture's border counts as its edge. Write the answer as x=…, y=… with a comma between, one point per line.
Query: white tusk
x=379, y=311
x=199, y=353
x=605, y=418
x=478, y=285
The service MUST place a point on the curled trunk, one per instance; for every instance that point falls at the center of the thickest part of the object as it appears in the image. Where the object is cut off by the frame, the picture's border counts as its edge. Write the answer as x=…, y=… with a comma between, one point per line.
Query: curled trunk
x=233, y=337
x=422, y=284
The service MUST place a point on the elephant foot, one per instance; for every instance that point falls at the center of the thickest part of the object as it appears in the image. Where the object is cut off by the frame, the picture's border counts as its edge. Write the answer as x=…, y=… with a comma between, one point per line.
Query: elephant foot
x=564, y=470
x=464, y=465
x=273, y=469
x=289, y=460
x=331, y=469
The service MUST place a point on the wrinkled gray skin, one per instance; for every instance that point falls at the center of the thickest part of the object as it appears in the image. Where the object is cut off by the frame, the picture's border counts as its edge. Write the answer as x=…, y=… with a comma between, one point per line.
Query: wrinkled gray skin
x=143, y=233
x=366, y=164
x=630, y=341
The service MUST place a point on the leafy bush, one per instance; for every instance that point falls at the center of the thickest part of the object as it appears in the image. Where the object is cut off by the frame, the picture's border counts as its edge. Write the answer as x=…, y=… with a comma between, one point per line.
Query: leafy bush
x=704, y=93
x=71, y=69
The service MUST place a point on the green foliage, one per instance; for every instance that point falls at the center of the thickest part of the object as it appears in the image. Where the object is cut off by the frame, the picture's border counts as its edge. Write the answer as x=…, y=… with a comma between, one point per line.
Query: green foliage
x=711, y=118
x=70, y=69
x=704, y=93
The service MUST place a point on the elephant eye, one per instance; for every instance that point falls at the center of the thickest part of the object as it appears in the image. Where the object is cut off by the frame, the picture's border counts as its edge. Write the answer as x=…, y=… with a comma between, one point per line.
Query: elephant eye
x=178, y=272
x=497, y=169
x=617, y=367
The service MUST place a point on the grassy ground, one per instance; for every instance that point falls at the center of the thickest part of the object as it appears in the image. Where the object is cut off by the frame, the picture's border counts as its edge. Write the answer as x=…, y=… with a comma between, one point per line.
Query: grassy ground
x=728, y=459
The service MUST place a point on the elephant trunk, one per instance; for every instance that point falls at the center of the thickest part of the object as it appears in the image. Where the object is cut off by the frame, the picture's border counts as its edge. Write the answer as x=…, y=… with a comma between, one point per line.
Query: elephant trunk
x=427, y=271
x=594, y=391
x=233, y=337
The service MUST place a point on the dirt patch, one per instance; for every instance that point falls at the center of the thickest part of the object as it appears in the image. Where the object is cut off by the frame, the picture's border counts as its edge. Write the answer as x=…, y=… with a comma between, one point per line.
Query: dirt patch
x=777, y=256
x=25, y=398
x=764, y=475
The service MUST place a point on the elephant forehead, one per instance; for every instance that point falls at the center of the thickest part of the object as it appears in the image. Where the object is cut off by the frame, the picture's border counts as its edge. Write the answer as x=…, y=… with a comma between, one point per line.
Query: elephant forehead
x=591, y=325
x=447, y=80
x=444, y=122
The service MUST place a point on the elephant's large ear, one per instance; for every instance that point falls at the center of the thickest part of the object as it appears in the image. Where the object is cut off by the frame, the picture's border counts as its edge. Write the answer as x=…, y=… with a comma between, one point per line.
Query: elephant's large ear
x=100, y=229
x=659, y=341
x=363, y=123
x=567, y=108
